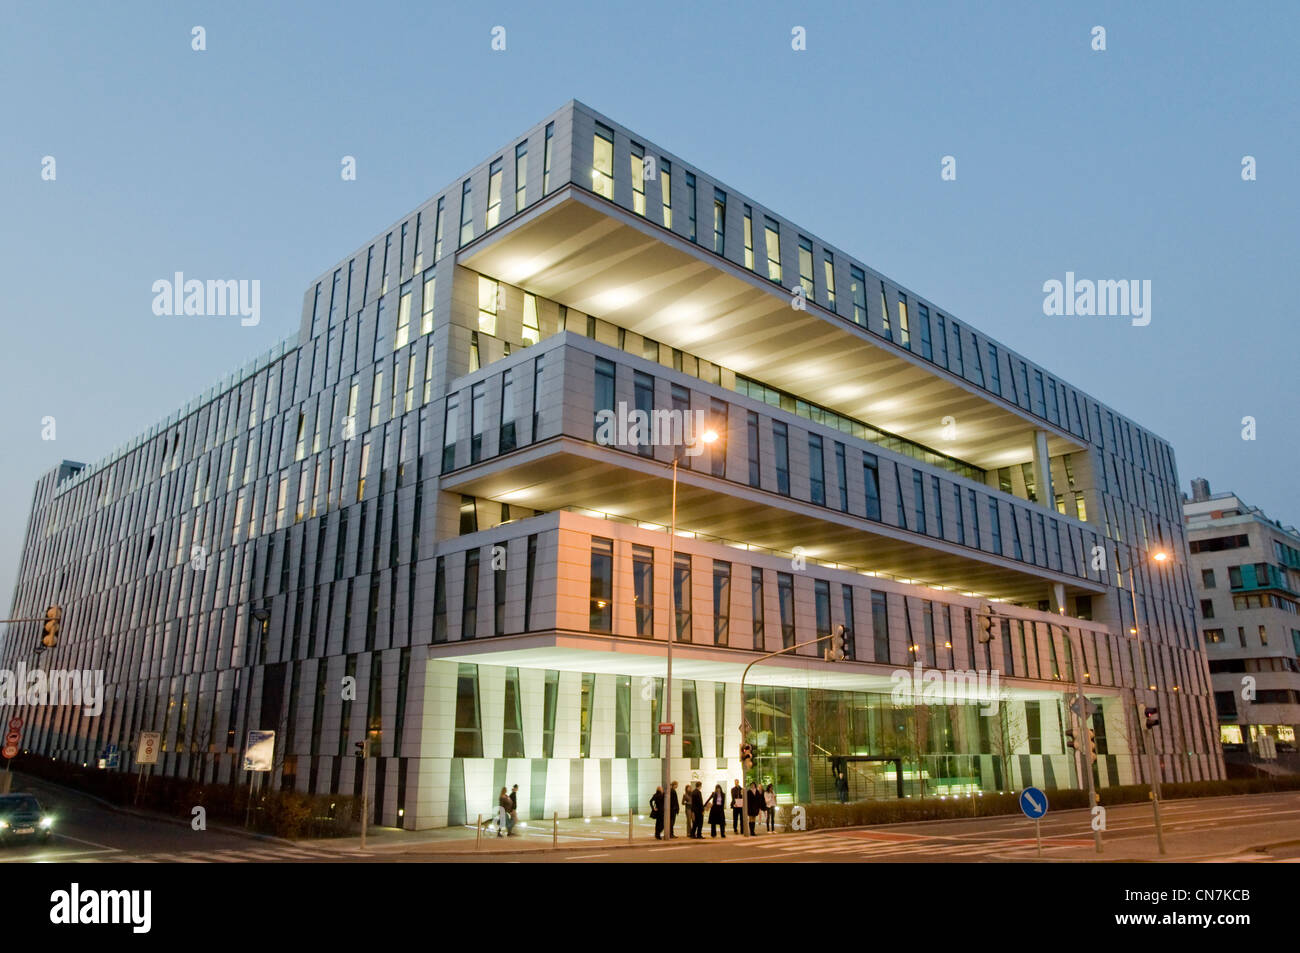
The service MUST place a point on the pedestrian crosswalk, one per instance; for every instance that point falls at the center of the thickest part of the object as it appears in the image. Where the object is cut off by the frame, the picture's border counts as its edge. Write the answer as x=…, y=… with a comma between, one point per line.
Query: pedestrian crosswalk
x=246, y=855
x=871, y=845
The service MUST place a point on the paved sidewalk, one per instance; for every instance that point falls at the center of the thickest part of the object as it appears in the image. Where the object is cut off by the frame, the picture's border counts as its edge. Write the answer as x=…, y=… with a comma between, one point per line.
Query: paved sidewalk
x=530, y=835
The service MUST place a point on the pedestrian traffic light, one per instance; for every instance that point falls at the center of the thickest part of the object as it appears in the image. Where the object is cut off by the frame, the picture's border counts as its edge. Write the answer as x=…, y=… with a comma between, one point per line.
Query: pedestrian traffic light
x=53, y=623
x=1153, y=716
x=1069, y=738
x=986, y=626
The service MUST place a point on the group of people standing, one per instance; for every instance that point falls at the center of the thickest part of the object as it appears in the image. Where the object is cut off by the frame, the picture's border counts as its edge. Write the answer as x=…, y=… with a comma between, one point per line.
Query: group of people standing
x=752, y=802
x=507, y=811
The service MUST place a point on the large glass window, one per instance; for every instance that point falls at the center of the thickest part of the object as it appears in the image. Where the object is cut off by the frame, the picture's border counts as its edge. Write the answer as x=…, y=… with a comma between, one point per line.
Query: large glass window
x=643, y=584
x=602, y=584
x=602, y=161
x=469, y=733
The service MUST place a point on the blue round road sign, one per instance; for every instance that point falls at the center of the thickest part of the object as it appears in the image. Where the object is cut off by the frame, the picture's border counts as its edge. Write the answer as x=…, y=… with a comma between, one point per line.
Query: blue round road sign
x=1033, y=802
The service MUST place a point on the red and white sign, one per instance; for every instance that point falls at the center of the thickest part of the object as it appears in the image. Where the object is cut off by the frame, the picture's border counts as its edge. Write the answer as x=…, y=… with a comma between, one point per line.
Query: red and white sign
x=13, y=737
x=666, y=727
x=10, y=751
x=146, y=751
x=15, y=723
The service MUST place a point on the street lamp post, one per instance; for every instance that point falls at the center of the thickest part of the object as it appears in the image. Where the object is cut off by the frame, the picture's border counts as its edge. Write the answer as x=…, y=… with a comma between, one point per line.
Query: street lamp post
x=1085, y=754
x=709, y=436
x=1153, y=763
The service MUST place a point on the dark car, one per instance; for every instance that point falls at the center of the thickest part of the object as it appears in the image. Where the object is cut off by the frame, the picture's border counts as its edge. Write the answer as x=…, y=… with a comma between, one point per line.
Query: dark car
x=22, y=818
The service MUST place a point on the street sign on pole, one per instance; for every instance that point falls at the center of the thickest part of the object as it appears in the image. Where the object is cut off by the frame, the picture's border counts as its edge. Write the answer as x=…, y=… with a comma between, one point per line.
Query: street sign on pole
x=147, y=751
x=259, y=751
x=666, y=727
x=1034, y=803
x=1085, y=710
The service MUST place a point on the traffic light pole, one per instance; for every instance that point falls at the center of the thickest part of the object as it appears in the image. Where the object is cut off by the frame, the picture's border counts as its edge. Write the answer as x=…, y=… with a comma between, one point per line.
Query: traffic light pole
x=744, y=722
x=1085, y=753
x=365, y=789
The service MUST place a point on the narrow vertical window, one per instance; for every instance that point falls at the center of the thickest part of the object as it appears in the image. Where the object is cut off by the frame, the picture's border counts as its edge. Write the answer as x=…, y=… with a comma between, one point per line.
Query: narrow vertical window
x=643, y=393
x=923, y=317
x=546, y=158
x=496, y=172
x=638, y=179
x=721, y=602
x=602, y=161
x=666, y=188
x=995, y=526
x=437, y=231
x=842, y=476
x=506, y=435
x=532, y=330
x=785, y=597
x=781, y=448
x=643, y=586
x=488, y=294
x=601, y=616
x=718, y=449
x=816, y=470
x=806, y=269
x=477, y=403
x=403, y=336
x=449, y=434
x=530, y=579
x=682, y=595
x=904, y=331
x=756, y=604
x=749, y=238
x=858, y=289
x=537, y=398
x=995, y=376
x=521, y=176
x=772, y=233
x=937, y=487
x=822, y=606
x=603, y=396
x=828, y=267
x=466, y=213
x=918, y=493
x=752, y=432
x=884, y=314
x=871, y=479
x=469, y=604
x=846, y=599
x=690, y=206
x=719, y=221
x=426, y=303
x=880, y=626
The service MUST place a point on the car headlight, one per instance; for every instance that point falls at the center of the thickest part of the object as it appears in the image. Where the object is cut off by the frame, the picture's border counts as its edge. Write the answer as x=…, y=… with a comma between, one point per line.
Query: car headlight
x=4, y=825
x=47, y=822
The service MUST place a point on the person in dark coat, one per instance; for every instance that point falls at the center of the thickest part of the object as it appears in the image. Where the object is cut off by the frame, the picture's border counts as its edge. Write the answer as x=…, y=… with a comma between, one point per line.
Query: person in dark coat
x=697, y=810
x=754, y=805
x=717, y=811
x=657, y=811
x=672, y=814
x=737, y=806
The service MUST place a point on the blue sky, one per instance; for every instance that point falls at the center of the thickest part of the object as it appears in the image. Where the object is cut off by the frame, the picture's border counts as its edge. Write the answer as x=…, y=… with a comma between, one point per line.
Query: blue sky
x=225, y=163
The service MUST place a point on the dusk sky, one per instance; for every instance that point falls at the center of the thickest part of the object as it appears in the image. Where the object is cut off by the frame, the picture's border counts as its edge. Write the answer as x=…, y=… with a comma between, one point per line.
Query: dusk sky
x=224, y=163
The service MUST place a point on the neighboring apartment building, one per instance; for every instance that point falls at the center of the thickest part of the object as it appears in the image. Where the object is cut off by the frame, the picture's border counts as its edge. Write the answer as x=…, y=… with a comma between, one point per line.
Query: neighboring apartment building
x=409, y=496
x=1246, y=568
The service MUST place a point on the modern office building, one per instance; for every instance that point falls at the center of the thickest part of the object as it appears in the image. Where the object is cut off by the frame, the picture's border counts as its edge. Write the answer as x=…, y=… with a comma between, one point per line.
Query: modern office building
x=406, y=522
x=1246, y=568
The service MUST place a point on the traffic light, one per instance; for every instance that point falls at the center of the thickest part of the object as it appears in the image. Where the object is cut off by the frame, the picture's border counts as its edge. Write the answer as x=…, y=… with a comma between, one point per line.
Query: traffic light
x=986, y=626
x=1069, y=739
x=1153, y=716
x=839, y=647
x=1092, y=744
x=746, y=755
x=53, y=623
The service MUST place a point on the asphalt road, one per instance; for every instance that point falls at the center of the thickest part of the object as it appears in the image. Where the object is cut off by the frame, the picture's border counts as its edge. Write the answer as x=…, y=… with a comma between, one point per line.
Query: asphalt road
x=1225, y=828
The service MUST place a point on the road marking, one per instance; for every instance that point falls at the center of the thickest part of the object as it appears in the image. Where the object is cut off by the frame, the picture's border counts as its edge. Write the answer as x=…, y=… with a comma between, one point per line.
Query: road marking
x=584, y=856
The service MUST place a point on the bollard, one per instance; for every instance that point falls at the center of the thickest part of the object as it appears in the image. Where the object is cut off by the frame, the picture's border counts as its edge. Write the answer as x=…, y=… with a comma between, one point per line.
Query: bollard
x=631, y=822
x=555, y=828
x=478, y=833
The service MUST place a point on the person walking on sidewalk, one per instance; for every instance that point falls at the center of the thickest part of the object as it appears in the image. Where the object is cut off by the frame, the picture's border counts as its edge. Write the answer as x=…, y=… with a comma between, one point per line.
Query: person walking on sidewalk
x=503, y=812
x=737, y=807
x=753, y=805
x=657, y=811
x=514, y=811
x=769, y=800
x=717, y=812
x=697, y=809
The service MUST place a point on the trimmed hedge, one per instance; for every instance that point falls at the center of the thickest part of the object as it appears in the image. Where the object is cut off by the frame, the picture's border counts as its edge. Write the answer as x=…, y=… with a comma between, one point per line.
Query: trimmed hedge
x=868, y=813
x=288, y=814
